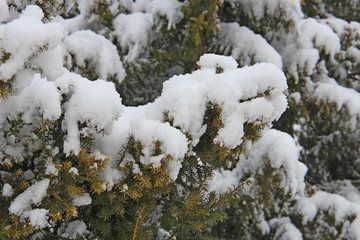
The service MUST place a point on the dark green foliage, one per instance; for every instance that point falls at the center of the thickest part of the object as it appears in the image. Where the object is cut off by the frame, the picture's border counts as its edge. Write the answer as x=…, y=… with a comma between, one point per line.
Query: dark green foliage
x=264, y=199
x=347, y=9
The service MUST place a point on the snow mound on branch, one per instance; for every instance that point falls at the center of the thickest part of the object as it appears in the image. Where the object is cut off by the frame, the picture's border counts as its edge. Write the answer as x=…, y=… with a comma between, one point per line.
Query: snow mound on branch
x=339, y=206
x=245, y=94
x=42, y=95
x=312, y=39
x=37, y=217
x=319, y=35
x=87, y=45
x=290, y=9
x=168, y=8
x=285, y=229
x=245, y=45
x=73, y=229
x=95, y=102
x=249, y=94
x=34, y=194
x=82, y=200
x=213, y=61
x=275, y=148
x=38, y=37
x=342, y=97
x=132, y=39
x=281, y=151
x=7, y=190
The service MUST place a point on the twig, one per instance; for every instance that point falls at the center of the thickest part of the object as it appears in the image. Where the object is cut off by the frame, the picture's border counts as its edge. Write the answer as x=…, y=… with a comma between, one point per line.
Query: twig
x=126, y=149
x=137, y=223
x=172, y=236
x=248, y=181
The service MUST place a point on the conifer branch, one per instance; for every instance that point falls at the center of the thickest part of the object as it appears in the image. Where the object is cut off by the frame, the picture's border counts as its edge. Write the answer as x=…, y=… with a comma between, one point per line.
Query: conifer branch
x=126, y=148
x=138, y=223
x=207, y=176
x=172, y=236
x=241, y=185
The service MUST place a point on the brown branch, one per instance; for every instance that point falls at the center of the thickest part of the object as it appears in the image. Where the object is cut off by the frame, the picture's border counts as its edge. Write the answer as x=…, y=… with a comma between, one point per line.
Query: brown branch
x=172, y=236
x=137, y=223
x=126, y=149
x=144, y=217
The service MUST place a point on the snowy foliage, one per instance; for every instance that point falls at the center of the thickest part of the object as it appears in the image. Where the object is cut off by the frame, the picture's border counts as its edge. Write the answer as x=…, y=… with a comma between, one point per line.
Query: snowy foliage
x=72, y=151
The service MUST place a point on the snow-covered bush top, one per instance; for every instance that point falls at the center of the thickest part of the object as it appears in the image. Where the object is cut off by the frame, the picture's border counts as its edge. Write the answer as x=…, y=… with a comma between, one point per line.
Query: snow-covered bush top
x=67, y=139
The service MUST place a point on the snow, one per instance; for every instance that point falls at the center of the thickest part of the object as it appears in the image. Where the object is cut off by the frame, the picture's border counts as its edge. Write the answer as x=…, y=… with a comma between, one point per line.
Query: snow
x=168, y=8
x=226, y=89
x=320, y=35
x=51, y=169
x=288, y=9
x=51, y=62
x=27, y=26
x=42, y=86
x=345, y=189
x=74, y=171
x=82, y=200
x=7, y=190
x=342, y=97
x=163, y=235
x=285, y=229
x=132, y=39
x=4, y=11
x=111, y=176
x=213, y=61
x=338, y=25
x=87, y=45
x=95, y=102
x=275, y=148
x=185, y=97
x=247, y=46
x=74, y=229
x=42, y=95
x=339, y=206
x=37, y=217
x=353, y=53
x=32, y=195
x=28, y=175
